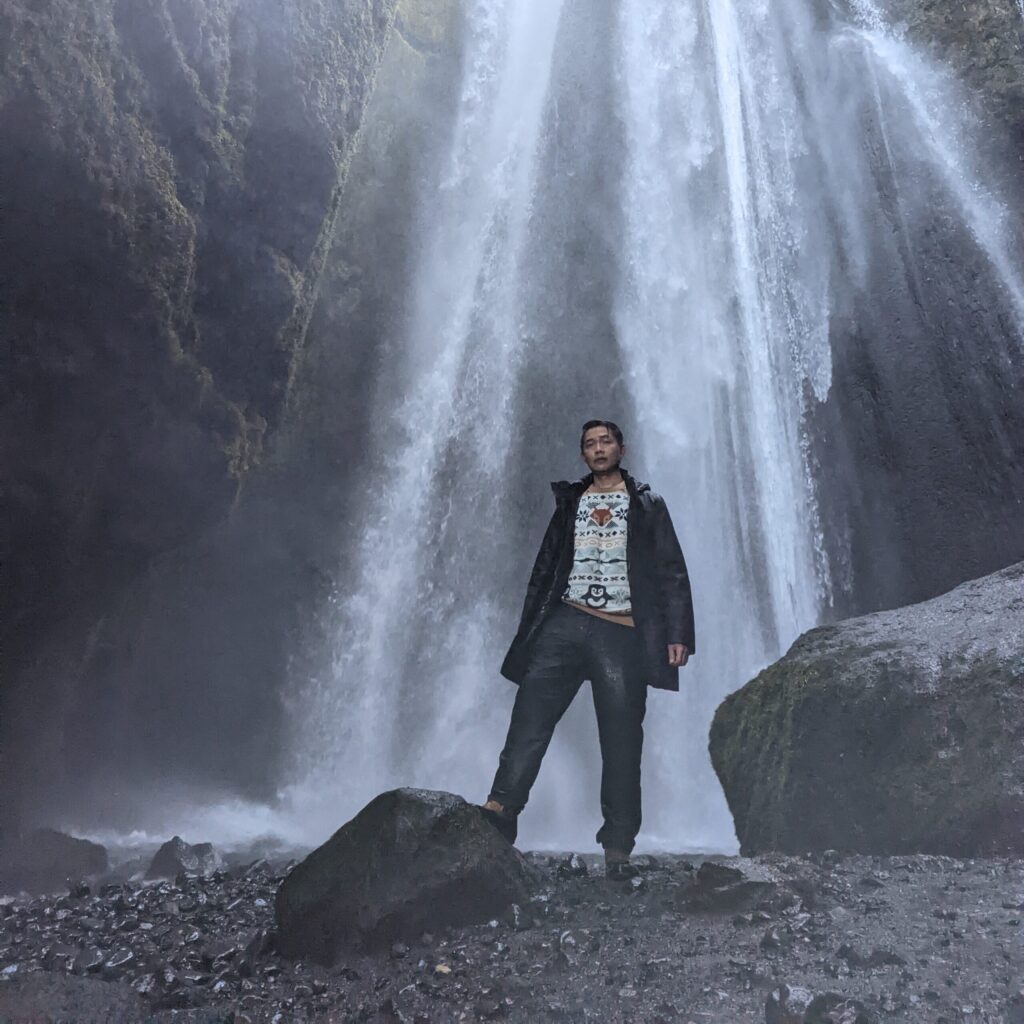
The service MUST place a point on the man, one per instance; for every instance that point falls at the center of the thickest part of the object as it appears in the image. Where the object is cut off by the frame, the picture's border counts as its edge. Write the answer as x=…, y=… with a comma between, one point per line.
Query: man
x=609, y=601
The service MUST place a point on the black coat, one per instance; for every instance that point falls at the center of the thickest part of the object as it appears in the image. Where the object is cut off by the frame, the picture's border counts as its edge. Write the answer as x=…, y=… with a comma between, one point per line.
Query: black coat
x=659, y=585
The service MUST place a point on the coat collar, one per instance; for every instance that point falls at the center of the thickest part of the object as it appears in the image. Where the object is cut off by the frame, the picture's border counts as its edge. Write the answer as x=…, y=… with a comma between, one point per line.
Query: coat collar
x=566, y=489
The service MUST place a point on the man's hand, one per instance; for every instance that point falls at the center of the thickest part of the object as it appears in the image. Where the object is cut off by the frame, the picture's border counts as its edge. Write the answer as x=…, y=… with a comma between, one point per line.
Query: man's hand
x=678, y=654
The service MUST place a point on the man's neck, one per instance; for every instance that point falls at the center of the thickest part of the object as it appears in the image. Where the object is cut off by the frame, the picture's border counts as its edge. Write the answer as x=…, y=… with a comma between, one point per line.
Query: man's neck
x=609, y=480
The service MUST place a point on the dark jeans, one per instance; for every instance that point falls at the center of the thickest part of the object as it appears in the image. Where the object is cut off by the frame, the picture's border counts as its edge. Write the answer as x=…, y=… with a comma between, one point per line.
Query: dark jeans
x=572, y=646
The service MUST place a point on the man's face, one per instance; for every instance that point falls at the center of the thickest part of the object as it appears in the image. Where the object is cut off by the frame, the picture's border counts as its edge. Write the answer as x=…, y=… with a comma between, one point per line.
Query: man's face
x=601, y=451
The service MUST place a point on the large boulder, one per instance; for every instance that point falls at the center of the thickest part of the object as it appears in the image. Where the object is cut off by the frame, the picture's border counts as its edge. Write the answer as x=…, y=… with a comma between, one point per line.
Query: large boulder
x=176, y=856
x=410, y=861
x=899, y=731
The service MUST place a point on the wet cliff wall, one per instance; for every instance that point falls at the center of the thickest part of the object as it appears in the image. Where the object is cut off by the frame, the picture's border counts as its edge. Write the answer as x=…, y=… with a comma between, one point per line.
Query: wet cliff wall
x=984, y=44
x=920, y=445
x=170, y=173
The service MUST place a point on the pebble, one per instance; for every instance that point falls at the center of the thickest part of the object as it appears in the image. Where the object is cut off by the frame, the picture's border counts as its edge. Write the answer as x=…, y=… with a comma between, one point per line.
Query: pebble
x=209, y=941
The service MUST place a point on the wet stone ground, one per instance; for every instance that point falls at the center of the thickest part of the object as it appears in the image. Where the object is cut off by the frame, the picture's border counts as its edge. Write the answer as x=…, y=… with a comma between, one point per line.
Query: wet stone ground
x=782, y=940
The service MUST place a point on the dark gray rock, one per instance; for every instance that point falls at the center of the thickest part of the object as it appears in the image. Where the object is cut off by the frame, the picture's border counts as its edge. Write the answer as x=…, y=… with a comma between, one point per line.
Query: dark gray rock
x=711, y=874
x=787, y=1005
x=795, y=1005
x=876, y=958
x=1015, y=1008
x=518, y=919
x=410, y=861
x=831, y=1008
x=176, y=856
x=908, y=720
x=721, y=887
x=88, y=961
x=574, y=866
x=45, y=860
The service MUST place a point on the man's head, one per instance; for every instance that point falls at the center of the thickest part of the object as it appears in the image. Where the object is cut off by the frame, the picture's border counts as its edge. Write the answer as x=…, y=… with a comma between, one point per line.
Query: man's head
x=601, y=445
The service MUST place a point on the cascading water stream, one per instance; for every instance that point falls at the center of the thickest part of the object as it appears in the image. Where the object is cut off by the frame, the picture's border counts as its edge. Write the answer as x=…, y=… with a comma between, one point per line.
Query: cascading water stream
x=748, y=200
x=722, y=314
x=453, y=382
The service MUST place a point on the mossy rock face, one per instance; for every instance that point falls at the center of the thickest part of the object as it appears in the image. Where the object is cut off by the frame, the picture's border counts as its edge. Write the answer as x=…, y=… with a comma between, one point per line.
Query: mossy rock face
x=171, y=173
x=896, y=732
x=172, y=169
x=984, y=44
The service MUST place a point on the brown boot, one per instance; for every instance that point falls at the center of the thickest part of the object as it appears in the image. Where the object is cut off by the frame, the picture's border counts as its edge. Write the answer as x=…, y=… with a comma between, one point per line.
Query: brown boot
x=506, y=822
x=617, y=866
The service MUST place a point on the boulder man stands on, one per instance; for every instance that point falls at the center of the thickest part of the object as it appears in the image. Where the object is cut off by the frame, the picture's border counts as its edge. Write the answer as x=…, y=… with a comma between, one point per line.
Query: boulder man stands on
x=608, y=600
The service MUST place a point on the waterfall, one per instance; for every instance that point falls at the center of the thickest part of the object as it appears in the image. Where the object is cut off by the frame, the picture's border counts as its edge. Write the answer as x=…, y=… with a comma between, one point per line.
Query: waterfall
x=744, y=171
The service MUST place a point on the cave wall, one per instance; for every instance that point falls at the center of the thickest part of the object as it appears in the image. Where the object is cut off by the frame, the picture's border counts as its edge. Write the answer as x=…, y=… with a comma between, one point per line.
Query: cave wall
x=919, y=448
x=920, y=444
x=170, y=174
x=177, y=671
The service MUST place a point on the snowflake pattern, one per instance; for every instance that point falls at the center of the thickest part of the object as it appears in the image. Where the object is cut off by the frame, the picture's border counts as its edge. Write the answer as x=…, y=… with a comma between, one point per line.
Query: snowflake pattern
x=598, y=578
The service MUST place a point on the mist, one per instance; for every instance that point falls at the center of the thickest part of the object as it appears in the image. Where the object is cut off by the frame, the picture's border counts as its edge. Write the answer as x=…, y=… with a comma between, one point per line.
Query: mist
x=776, y=243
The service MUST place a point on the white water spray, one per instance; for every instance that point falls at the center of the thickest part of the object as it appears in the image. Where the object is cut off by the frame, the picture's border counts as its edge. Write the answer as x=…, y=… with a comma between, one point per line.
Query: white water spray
x=745, y=183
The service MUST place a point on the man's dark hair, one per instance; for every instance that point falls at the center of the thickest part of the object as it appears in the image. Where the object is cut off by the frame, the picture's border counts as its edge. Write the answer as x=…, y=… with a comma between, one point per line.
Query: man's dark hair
x=613, y=427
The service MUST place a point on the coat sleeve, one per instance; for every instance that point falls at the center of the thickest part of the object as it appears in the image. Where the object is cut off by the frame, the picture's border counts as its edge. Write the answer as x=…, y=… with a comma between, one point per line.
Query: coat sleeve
x=543, y=564
x=673, y=580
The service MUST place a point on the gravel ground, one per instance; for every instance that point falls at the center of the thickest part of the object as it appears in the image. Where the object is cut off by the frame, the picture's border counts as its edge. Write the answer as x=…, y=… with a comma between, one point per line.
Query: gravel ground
x=923, y=939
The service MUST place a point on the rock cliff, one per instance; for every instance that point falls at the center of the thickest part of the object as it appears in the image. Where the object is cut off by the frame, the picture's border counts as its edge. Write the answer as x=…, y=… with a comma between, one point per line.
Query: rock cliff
x=984, y=43
x=171, y=172
x=922, y=431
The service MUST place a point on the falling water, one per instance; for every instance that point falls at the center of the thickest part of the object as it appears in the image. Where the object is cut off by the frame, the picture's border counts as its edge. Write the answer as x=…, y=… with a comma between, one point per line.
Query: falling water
x=745, y=149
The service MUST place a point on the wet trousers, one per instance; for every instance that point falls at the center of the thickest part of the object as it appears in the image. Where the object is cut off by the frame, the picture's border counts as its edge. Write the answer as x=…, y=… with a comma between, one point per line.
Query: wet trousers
x=571, y=646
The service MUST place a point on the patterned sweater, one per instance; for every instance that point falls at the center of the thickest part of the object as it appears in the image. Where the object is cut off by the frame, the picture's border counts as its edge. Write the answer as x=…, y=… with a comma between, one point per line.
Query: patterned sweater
x=598, y=582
